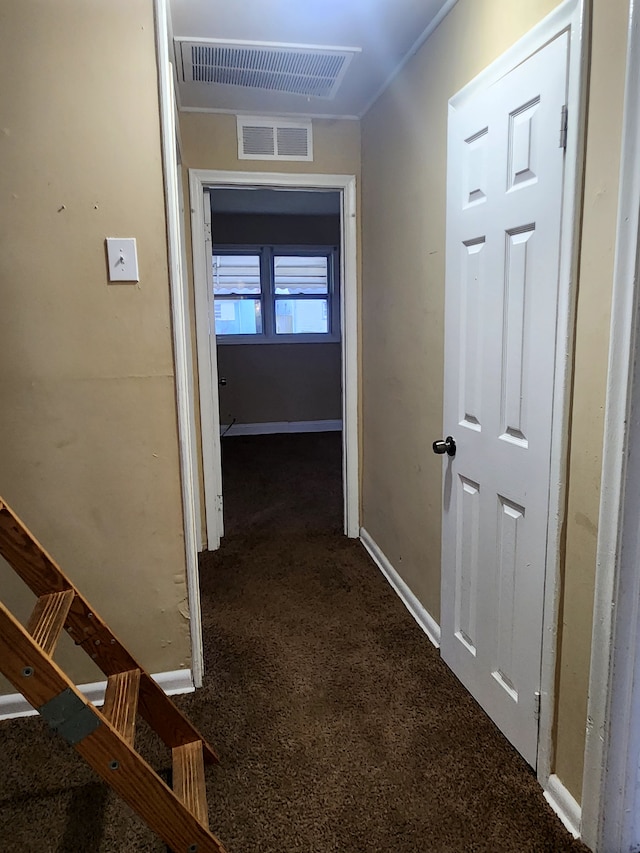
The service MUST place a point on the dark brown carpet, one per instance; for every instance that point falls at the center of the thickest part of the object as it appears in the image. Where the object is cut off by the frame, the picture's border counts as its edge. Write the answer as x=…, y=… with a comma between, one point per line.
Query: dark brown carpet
x=339, y=728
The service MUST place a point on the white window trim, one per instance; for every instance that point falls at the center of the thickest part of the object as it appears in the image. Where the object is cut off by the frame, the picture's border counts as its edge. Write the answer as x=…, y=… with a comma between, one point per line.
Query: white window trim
x=268, y=334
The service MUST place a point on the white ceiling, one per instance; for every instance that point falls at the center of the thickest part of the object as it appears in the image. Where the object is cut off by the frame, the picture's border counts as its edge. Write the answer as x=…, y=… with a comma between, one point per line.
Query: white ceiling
x=385, y=30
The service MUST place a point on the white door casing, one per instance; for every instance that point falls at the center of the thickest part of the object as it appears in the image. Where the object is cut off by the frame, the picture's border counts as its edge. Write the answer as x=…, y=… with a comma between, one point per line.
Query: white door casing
x=199, y=182
x=504, y=210
x=181, y=328
x=209, y=404
x=611, y=780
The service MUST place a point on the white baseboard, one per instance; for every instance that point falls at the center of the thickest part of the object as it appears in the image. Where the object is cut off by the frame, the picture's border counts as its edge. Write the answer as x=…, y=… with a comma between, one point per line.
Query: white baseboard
x=272, y=427
x=563, y=804
x=422, y=616
x=555, y=793
x=177, y=681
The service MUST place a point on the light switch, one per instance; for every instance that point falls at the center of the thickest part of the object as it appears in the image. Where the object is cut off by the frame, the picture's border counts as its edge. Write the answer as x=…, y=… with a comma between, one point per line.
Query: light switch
x=122, y=258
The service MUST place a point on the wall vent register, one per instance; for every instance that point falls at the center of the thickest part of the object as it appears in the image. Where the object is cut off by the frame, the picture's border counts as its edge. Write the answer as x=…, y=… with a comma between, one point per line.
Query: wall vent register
x=274, y=139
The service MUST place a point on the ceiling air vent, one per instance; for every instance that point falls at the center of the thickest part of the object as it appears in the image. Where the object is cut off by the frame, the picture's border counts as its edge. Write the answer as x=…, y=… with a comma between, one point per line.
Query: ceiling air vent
x=292, y=69
x=274, y=139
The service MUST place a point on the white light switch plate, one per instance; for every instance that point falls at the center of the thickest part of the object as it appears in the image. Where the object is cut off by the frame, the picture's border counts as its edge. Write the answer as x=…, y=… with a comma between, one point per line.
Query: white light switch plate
x=122, y=257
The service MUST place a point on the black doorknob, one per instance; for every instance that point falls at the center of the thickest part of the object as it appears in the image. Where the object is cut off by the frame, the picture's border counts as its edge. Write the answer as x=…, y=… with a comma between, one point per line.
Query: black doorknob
x=447, y=445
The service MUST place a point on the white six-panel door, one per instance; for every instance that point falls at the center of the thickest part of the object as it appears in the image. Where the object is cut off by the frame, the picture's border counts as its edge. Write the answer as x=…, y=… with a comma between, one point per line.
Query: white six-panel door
x=504, y=200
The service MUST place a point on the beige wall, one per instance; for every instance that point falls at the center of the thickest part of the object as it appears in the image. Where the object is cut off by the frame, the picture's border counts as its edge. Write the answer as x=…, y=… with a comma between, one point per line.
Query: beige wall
x=210, y=141
x=279, y=382
x=404, y=195
x=88, y=443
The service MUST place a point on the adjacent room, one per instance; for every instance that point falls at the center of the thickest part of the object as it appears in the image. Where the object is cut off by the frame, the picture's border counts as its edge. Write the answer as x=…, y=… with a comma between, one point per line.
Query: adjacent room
x=276, y=302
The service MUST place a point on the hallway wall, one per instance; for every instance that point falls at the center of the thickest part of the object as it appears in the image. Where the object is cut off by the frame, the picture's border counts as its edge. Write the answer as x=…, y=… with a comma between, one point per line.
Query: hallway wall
x=88, y=440
x=404, y=201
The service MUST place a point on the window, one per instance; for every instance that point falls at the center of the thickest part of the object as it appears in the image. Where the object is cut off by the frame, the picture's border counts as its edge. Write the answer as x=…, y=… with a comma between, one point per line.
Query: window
x=237, y=294
x=276, y=295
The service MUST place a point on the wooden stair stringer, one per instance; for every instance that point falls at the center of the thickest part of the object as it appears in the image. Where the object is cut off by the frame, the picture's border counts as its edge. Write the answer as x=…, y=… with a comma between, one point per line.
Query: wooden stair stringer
x=43, y=575
x=103, y=747
x=27, y=557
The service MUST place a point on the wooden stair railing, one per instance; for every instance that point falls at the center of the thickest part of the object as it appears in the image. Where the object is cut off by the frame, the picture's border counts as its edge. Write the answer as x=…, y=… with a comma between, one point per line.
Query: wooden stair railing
x=105, y=737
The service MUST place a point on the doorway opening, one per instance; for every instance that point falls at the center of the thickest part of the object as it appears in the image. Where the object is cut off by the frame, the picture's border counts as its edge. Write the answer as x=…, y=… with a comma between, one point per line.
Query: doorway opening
x=276, y=327
x=277, y=321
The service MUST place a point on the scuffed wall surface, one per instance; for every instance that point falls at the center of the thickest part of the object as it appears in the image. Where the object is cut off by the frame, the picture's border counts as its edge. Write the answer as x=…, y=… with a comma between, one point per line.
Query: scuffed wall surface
x=88, y=435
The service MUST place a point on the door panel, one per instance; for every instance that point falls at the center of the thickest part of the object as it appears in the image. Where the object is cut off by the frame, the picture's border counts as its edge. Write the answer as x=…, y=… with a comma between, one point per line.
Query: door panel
x=467, y=563
x=471, y=331
x=504, y=196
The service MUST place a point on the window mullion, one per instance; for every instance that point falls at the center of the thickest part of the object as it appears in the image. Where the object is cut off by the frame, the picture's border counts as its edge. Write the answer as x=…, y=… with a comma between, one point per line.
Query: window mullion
x=268, y=290
x=335, y=278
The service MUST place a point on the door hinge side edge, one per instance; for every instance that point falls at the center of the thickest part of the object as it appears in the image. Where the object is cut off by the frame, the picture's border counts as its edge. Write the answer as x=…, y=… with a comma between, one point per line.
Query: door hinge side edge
x=564, y=125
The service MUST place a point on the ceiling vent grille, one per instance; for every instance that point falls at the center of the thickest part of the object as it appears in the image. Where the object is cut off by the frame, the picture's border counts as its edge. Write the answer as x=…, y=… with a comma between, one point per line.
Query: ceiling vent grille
x=274, y=139
x=289, y=69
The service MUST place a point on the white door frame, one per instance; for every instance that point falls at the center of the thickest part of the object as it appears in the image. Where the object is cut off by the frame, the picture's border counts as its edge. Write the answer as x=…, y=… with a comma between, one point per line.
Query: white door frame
x=201, y=179
x=181, y=325
x=611, y=795
x=569, y=16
